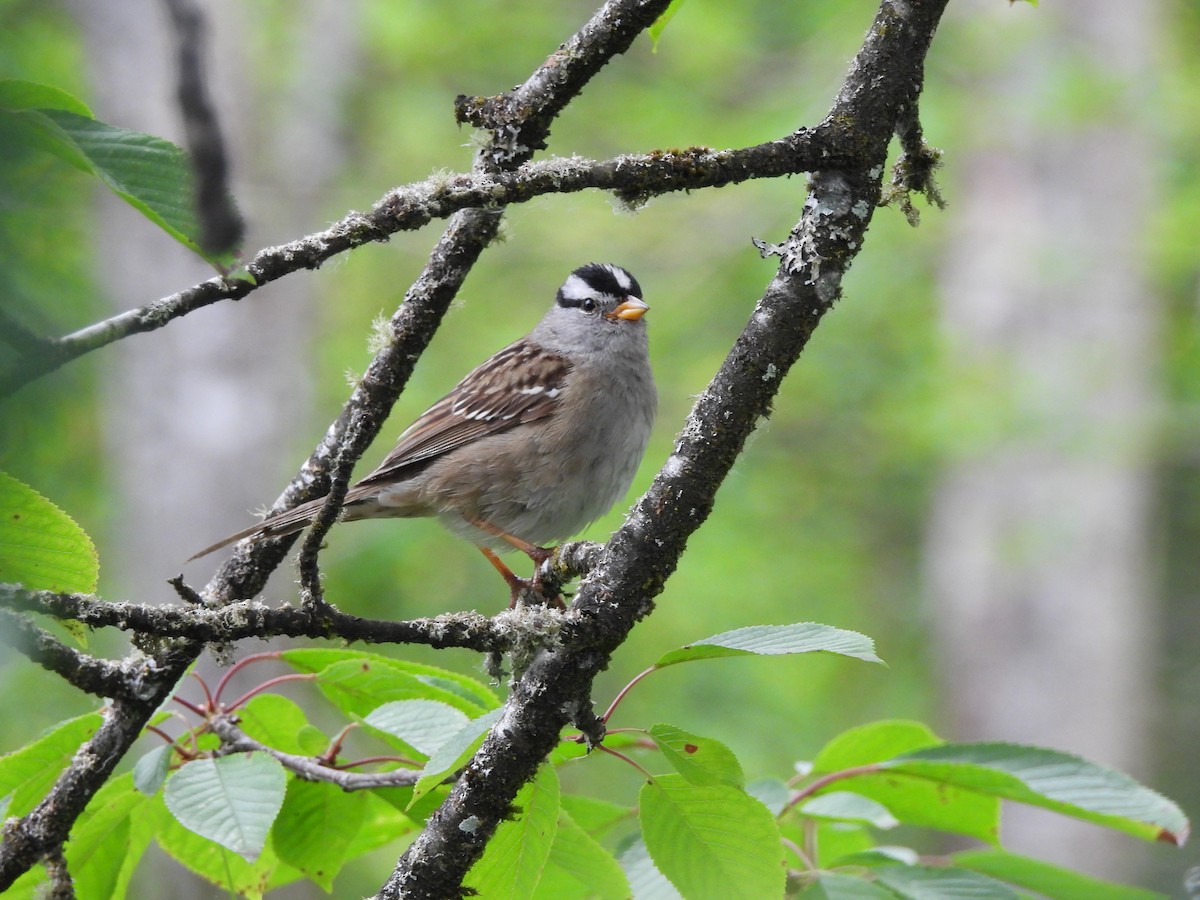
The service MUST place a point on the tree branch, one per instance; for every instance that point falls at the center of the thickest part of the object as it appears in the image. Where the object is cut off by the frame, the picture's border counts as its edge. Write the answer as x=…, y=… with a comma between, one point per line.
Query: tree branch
x=886, y=75
x=234, y=740
x=86, y=672
x=252, y=618
x=634, y=179
x=469, y=231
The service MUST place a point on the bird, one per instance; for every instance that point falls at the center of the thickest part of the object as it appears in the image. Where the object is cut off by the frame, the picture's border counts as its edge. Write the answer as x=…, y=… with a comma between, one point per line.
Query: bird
x=532, y=445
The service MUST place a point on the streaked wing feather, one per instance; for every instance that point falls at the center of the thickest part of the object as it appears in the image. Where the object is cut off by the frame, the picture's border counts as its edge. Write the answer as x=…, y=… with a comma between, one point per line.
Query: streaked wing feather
x=494, y=397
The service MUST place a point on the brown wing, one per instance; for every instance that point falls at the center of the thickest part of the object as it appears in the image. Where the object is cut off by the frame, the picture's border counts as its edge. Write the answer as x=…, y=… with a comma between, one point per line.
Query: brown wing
x=521, y=383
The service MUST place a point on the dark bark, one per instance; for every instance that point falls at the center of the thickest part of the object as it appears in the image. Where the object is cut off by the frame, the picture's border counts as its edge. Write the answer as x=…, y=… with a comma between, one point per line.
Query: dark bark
x=847, y=155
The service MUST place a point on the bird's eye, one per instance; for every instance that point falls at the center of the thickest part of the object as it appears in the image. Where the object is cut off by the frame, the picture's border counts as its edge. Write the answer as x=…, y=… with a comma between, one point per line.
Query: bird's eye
x=588, y=305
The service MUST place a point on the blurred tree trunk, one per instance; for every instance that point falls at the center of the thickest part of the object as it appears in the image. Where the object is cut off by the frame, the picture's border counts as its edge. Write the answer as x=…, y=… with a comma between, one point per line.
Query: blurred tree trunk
x=206, y=409
x=1038, y=542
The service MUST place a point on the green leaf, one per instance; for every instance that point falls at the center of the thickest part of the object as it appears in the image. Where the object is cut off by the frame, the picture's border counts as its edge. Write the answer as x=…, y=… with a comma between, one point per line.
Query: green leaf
x=15, y=94
x=41, y=547
x=849, y=807
x=776, y=640
x=231, y=800
x=454, y=753
x=698, y=759
x=423, y=725
x=469, y=694
x=512, y=864
x=593, y=815
x=771, y=792
x=316, y=827
x=835, y=840
x=873, y=743
x=1052, y=780
x=712, y=841
x=834, y=886
x=149, y=173
x=27, y=774
x=579, y=866
x=381, y=823
x=928, y=883
x=360, y=683
x=219, y=865
x=645, y=880
x=109, y=839
x=909, y=799
x=660, y=23
x=1044, y=878
x=151, y=770
x=281, y=724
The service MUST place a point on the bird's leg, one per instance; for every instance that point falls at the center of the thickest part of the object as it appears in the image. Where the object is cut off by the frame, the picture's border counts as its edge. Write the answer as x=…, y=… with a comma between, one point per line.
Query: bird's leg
x=515, y=584
x=538, y=554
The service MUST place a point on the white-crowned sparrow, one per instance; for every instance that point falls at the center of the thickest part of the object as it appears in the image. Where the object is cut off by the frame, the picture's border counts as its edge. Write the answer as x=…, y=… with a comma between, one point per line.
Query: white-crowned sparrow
x=533, y=444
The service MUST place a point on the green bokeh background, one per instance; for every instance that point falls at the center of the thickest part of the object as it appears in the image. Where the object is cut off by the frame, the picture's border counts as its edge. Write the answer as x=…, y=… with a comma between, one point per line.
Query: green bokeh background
x=823, y=517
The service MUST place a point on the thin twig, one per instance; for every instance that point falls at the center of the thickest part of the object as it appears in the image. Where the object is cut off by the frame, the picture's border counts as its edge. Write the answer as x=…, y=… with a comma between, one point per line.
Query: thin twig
x=634, y=179
x=233, y=739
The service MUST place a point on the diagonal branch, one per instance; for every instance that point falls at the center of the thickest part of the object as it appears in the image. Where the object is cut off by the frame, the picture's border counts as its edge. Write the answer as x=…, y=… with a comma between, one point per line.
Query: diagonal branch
x=886, y=76
x=469, y=231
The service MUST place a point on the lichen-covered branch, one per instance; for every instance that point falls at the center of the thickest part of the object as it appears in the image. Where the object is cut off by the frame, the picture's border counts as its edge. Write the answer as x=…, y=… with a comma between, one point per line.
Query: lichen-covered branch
x=886, y=76
x=469, y=231
x=847, y=155
x=632, y=178
x=234, y=740
x=246, y=619
x=86, y=672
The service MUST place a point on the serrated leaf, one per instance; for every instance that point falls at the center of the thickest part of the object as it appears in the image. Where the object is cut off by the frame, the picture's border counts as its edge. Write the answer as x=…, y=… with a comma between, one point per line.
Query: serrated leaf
x=231, y=800
x=579, y=866
x=150, y=771
x=1052, y=780
x=512, y=863
x=1046, y=879
x=834, y=886
x=776, y=640
x=712, y=841
x=316, y=827
x=928, y=883
x=422, y=724
x=454, y=753
x=850, y=807
x=27, y=774
x=645, y=880
x=41, y=547
x=698, y=759
x=149, y=173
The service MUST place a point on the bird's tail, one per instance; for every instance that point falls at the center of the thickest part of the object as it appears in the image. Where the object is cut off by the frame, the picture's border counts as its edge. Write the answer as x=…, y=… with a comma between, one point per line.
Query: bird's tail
x=287, y=522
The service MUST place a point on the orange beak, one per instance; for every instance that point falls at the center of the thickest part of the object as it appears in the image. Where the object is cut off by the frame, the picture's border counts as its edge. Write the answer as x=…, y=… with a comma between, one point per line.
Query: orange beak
x=631, y=310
